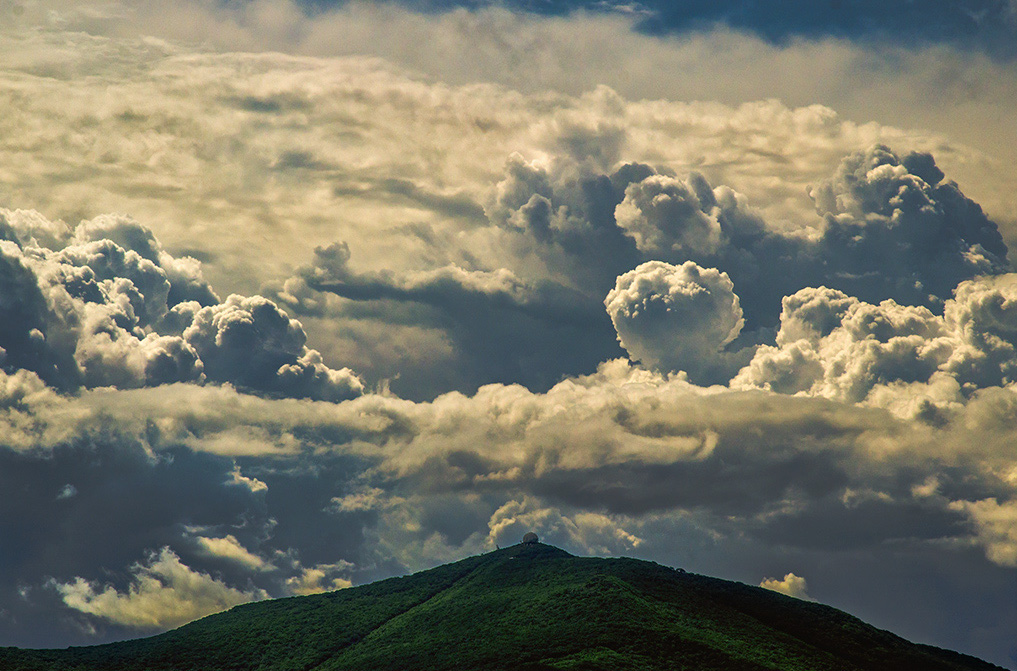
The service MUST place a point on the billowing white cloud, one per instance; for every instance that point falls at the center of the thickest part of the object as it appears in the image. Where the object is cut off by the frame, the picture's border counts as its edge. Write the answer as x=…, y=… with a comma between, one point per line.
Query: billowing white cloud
x=839, y=347
x=666, y=217
x=676, y=318
x=995, y=526
x=833, y=345
x=983, y=315
x=230, y=549
x=791, y=584
x=319, y=578
x=163, y=593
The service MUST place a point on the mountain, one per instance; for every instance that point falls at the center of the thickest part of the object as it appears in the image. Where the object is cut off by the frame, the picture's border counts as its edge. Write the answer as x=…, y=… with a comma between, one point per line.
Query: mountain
x=528, y=607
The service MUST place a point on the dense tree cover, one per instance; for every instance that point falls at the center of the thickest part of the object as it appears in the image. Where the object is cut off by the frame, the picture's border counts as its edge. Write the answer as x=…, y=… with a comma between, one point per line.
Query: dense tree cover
x=527, y=607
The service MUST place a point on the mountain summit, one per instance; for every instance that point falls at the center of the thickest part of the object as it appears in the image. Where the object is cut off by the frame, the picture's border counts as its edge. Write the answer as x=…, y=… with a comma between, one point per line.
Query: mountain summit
x=526, y=607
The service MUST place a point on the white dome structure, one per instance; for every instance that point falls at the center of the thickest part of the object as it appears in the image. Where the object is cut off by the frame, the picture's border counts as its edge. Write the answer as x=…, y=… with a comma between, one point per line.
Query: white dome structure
x=530, y=539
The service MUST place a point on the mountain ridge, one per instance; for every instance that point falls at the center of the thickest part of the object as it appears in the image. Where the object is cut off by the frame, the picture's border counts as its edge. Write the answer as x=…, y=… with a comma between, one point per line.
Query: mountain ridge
x=527, y=607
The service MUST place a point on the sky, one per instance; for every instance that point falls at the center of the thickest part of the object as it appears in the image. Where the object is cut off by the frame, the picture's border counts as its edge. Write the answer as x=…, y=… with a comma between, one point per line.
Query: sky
x=298, y=296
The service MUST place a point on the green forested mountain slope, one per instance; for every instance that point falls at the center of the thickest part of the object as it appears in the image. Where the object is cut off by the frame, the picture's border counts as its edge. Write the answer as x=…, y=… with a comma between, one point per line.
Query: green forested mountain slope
x=525, y=607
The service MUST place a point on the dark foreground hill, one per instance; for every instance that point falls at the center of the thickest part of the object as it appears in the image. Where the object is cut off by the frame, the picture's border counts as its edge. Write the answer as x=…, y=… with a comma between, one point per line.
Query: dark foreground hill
x=526, y=607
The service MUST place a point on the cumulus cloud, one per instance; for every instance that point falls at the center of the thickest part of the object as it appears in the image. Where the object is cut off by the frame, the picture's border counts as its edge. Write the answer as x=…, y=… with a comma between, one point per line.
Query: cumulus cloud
x=319, y=578
x=596, y=533
x=982, y=314
x=230, y=549
x=891, y=228
x=577, y=233
x=833, y=345
x=840, y=347
x=163, y=593
x=108, y=306
x=891, y=220
x=792, y=585
x=250, y=342
x=666, y=217
x=996, y=527
x=676, y=317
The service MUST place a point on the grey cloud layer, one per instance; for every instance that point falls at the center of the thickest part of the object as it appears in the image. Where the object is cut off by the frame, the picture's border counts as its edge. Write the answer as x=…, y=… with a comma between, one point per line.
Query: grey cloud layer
x=595, y=463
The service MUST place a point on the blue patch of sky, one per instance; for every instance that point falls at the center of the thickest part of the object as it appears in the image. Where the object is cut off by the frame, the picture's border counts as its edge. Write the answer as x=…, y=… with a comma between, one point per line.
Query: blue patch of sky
x=989, y=26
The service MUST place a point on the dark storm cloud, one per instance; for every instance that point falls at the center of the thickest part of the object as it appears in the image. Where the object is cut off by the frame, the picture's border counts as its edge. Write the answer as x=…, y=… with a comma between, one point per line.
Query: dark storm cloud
x=154, y=534
x=882, y=212
x=103, y=304
x=47, y=534
x=569, y=214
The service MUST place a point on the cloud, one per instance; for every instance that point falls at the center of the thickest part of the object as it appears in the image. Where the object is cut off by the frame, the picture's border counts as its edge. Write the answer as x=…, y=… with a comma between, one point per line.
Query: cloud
x=889, y=220
x=577, y=155
x=184, y=274
x=318, y=579
x=91, y=312
x=996, y=527
x=676, y=317
x=982, y=315
x=885, y=232
x=833, y=345
x=665, y=217
x=163, y=593
x=372, y=498
x=502, y=327
x=891, y=228
x=792, y=585
x=594, y=532
x=230, y=549
x=250, y=342
x=238, y=479
x=617, y=462
x=743, y=146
